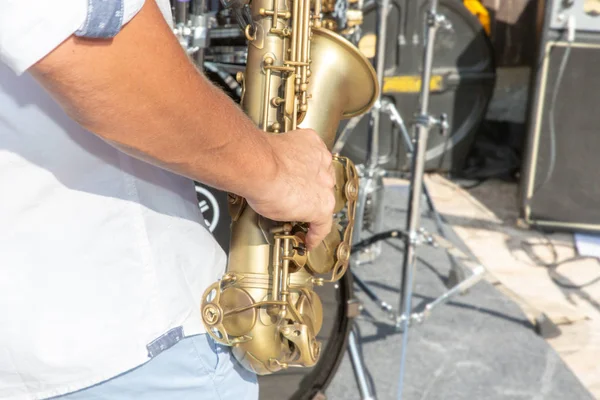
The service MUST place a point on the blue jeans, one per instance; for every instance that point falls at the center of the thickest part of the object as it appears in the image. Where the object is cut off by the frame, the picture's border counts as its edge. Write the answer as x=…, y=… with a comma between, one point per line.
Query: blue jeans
x=196, y=368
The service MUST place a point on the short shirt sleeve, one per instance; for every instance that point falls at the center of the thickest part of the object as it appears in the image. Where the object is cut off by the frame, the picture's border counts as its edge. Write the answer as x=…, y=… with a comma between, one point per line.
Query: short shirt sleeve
x=31, y=29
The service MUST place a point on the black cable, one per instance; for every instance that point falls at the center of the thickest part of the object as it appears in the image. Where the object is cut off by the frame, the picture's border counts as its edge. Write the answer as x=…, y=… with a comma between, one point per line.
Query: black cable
x=227, y=79
x=551, y=119
x=557, y=280
x=394, y=233
x=473, y=185
x=363, y=287
x=555, y=264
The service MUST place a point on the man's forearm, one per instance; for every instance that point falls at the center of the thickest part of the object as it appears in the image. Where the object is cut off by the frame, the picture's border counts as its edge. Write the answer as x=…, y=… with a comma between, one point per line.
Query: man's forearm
x=142, y=94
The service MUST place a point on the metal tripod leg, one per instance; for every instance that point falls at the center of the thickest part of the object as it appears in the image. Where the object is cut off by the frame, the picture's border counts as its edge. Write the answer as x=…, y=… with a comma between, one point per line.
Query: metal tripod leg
x=385, y=307
x=396, y=118
x=360, y=210
x=345, y=134
x=477, y=273
x=366, y=392
x=457, y=273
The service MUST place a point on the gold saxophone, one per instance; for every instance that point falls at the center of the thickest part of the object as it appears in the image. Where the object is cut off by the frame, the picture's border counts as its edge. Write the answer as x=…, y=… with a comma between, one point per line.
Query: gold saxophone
x=298, y=75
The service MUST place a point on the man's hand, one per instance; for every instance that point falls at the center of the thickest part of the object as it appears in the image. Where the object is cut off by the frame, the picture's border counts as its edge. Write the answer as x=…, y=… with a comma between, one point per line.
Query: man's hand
x=303, y=186
x=140, y=92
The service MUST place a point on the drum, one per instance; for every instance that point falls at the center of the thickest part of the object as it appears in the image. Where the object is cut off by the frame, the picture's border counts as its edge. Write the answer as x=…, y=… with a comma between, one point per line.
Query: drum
x=306, y=383
x=462, y=82
x=214, y=209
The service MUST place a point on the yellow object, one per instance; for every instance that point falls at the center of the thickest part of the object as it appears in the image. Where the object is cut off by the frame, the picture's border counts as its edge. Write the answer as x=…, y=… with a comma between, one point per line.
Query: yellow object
x=478, y=10
x=368, y=44
x=410, y=84
x=298, y=75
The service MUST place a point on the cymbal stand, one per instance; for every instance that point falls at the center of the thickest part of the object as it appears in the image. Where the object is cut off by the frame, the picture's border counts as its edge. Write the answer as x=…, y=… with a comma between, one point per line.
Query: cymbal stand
x=371, y=183
x=372, y=173
x=371, y=186
x=414, y=235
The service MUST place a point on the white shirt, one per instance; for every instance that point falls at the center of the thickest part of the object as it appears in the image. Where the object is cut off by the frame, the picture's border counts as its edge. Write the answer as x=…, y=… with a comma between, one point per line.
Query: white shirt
x=100, y=253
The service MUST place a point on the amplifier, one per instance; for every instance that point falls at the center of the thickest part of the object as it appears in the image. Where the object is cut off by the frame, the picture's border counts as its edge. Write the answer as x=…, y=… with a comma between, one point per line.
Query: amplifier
x=561, y=183
x=462, y=82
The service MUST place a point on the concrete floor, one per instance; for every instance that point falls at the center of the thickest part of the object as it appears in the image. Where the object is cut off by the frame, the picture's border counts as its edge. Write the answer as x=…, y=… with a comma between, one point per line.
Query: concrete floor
x=535, y=269
x=479, y=345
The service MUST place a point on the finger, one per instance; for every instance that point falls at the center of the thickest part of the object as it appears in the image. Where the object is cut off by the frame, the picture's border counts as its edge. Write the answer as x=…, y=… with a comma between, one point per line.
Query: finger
x=321, y=227
x=327, y=178
x=317, y=232
x=314, y=136
x=327, y=157
x=331, y=171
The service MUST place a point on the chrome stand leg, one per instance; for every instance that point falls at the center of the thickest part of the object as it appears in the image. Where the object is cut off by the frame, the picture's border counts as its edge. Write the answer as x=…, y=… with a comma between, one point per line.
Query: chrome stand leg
x=424, y=122
x=345, y=134
x=360, y=211
x=366, y=392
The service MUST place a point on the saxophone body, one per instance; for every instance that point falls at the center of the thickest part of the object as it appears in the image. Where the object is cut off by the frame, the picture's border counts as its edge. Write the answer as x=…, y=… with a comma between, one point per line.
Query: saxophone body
x=298, y=75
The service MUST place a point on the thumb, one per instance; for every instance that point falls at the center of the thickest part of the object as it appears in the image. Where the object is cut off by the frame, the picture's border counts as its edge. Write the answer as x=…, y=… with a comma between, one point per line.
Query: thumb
x=317, y=231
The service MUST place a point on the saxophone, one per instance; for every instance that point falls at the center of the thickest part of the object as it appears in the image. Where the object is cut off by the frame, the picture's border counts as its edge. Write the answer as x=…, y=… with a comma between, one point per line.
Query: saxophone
x=298, y=75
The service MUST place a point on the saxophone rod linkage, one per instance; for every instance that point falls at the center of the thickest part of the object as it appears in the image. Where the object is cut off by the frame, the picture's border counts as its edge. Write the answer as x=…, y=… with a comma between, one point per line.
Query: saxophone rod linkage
x=295, y=113
x=280, y=14
x=285, y=273
x=290, y=307
x=333, y=278
x=275, y=14
x=304, y=59
x=266, y=102
x=294, y=30
x=317, y=16
x=298, y=33
x=276, y=272
x=294, y=63
x=255, y=305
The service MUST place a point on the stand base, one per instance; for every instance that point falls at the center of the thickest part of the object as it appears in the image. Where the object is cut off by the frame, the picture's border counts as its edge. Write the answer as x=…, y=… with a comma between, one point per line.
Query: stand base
x=459, y=287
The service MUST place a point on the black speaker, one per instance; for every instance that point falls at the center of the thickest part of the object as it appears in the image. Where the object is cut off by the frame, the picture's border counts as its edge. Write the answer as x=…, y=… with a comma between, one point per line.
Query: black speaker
x=560, y=184
x=462, y=81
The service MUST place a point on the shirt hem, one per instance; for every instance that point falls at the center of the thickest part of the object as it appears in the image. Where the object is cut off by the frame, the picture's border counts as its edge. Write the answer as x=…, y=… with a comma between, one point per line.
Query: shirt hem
x=190, y=328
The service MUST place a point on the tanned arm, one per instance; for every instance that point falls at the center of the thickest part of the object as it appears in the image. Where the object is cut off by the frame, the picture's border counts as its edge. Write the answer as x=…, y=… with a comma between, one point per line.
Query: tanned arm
x=141, y=93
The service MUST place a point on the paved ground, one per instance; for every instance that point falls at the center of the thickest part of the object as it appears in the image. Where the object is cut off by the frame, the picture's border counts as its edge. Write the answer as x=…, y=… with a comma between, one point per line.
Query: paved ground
x=541, y=272
x=478, y=346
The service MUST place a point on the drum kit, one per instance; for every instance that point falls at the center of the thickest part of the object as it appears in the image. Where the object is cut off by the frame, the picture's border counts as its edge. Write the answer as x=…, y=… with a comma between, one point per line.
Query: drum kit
x=210, y=32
